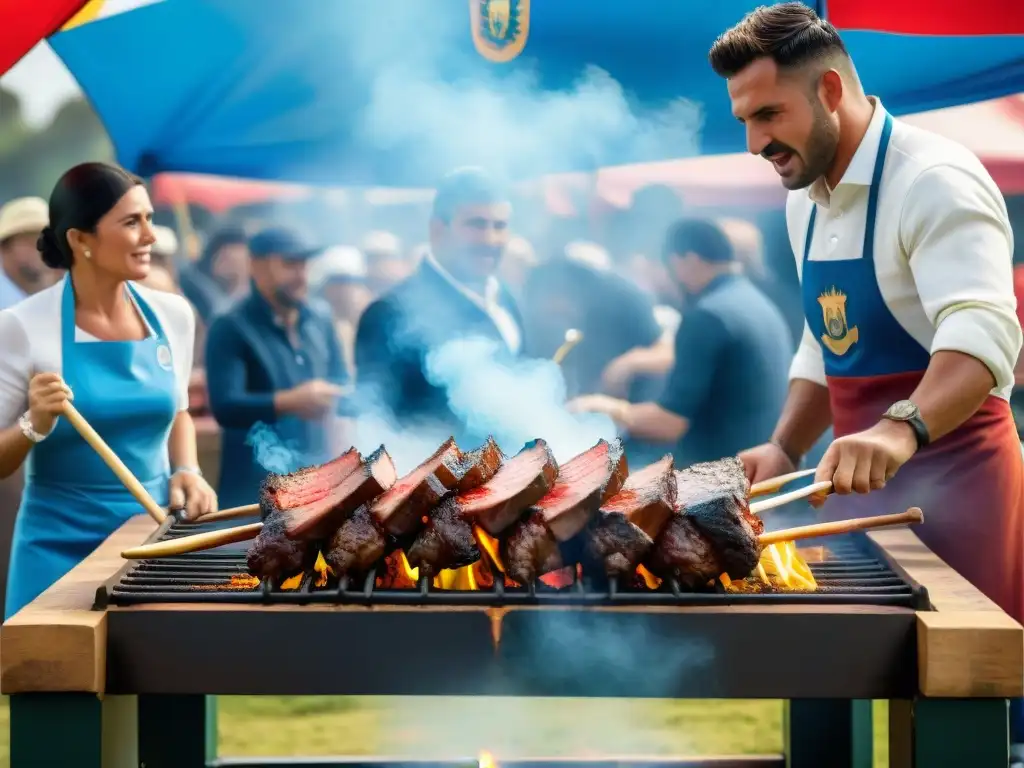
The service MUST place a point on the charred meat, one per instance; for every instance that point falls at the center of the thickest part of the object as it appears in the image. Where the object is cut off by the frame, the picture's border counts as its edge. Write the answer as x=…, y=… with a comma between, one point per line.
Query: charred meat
x=397, y=514
x=448, y=540
x=307, y=485
x=273, y=555
x=713, y=496
x=531, y=547
x=633, y=518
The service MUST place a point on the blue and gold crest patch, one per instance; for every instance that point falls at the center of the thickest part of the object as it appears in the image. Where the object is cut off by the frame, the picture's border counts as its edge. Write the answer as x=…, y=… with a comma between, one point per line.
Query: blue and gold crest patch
x=500, y=27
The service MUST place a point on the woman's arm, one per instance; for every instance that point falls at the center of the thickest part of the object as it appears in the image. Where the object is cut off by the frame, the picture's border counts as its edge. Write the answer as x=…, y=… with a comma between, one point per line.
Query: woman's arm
x=15, y=371
x=14, y=448
x=181, y=444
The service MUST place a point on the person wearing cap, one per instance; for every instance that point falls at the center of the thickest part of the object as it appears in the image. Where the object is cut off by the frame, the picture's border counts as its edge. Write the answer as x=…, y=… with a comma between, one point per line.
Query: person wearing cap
x=275, y=370
x=121, y=353
x=220, y=276
x=22, y=271
x=454, y=294
x=732, y=353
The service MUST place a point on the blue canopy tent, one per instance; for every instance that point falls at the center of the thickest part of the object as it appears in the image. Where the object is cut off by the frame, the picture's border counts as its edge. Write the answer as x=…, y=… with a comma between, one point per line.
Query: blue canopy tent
x=344, y=92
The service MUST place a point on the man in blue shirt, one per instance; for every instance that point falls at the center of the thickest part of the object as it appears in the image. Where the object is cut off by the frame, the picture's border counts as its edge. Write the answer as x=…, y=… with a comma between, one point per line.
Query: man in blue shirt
x=275, y=372
x=732, y=355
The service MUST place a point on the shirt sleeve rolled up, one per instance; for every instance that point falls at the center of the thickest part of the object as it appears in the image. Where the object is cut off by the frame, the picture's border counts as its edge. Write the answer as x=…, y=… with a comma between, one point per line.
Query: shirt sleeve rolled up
x=956, y=235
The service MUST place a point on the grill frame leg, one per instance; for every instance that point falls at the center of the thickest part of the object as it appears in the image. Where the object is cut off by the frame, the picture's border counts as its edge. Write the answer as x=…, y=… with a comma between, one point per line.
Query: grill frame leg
x=177, y=730
x=961, y=732
x=63, y=729
x=828, y=732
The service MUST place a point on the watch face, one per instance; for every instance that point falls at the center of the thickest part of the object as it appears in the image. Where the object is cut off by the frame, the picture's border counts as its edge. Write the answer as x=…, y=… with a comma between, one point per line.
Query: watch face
x=902, y=410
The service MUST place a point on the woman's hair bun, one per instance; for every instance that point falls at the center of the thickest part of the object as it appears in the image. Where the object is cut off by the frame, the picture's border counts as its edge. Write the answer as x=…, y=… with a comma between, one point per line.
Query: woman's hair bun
x=53, y=255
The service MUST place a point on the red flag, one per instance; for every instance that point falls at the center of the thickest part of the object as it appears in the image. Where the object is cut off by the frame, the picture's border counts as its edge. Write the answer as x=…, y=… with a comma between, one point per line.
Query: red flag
x=929, y=17
x=26, y=22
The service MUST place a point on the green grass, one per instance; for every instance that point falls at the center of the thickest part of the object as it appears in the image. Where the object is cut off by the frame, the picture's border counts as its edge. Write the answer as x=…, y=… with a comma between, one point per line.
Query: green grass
x=506, y=727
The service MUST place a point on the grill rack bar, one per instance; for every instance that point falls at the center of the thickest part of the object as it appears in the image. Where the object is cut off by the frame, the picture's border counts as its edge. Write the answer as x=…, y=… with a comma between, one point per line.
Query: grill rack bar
x=857, y=573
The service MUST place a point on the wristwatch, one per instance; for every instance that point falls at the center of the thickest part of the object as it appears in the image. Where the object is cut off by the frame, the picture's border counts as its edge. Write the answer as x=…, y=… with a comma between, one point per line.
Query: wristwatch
x=908, y=413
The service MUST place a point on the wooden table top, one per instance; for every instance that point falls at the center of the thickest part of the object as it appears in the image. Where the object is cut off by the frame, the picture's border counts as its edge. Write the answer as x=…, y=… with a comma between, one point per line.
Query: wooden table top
x=967, y=646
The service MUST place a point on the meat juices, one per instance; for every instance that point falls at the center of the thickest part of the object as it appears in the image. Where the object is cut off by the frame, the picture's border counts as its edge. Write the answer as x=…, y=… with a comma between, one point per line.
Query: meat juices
x=531, y=548
x=633, y=518
x=448, y=540
x=395, y=516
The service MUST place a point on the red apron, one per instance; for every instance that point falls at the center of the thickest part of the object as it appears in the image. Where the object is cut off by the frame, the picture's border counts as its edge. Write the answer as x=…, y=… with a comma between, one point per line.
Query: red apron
x=969, y=483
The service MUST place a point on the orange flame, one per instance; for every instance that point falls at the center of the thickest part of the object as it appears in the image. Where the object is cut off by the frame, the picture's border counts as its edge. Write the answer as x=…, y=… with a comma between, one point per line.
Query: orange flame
x=781, y=566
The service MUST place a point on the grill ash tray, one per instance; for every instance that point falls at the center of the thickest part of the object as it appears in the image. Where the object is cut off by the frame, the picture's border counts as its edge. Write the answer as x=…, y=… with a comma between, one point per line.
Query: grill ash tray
x=854, y=572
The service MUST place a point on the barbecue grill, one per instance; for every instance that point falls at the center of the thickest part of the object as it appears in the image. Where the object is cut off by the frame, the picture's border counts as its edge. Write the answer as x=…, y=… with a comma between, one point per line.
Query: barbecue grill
x=889, y=621
x=853, y=573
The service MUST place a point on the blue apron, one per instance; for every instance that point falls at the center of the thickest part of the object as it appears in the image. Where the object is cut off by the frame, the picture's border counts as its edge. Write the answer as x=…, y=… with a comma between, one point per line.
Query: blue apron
x=72, y=500
x=970, y=483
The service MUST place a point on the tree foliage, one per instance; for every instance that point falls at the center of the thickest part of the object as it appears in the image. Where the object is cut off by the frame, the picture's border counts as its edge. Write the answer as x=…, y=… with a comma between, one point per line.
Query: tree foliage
x=31, y=160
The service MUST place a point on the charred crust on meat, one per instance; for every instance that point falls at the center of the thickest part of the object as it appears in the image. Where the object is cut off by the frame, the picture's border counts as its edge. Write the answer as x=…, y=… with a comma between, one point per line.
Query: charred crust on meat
x=530, y=550
x=357, y=545
x=521, y=481
x=479, y=465
x=619, y=544
x=446, y=542
x=684, y=553
x=305, y=485
x=399, y=510
x=273, y=555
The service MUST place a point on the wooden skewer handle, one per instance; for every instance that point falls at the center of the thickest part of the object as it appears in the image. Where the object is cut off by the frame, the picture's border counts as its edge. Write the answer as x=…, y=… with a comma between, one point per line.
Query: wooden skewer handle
x=912, y=515
x=229, y=514
x=824, y=487
x=196, y=543
x=135, y=488
x=772, y=484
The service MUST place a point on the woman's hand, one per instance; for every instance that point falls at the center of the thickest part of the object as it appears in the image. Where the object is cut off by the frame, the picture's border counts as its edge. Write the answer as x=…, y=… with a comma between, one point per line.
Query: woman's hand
x=47, y=394
x=191, y=493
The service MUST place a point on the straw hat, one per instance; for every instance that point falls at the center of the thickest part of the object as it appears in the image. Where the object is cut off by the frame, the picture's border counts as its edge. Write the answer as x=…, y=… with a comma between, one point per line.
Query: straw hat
x=22, y=216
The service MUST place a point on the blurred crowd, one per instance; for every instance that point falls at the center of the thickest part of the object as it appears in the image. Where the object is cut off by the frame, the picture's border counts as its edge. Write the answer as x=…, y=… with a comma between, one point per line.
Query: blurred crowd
x=636, y=285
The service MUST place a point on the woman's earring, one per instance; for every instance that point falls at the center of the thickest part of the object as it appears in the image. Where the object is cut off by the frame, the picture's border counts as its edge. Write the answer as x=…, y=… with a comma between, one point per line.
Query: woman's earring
x=88, y=253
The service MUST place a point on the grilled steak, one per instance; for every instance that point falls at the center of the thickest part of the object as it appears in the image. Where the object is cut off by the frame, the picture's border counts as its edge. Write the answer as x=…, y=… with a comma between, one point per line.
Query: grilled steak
x=448, y=540
x=273, y=554
x=308, y=484
x=523, y=480
x=583, y=485
x=631, y=520
x=319, y=519
x=480, y=465
x=719, y=531
x=397, y=514
x=684, y=553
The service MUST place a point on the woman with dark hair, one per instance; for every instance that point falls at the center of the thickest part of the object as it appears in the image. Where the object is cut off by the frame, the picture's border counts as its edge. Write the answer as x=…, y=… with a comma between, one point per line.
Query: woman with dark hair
x=123, y=353
x=220, y=276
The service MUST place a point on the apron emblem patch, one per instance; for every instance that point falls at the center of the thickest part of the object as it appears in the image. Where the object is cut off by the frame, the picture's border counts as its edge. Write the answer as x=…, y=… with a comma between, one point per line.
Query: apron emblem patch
x=838, y=336
x=500, y=28
x=163, y=356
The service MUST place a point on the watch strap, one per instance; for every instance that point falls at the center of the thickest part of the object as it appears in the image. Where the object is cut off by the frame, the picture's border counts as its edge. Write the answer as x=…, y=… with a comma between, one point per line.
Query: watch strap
x=920, y=430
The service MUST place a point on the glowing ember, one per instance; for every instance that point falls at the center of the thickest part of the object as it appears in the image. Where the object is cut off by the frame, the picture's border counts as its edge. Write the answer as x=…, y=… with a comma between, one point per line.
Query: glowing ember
x=239, y=581
x=292, y=583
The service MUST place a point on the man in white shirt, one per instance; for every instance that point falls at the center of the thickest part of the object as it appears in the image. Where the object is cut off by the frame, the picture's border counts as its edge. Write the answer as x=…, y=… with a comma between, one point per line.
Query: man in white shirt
x=903, y=245
x=22, y=271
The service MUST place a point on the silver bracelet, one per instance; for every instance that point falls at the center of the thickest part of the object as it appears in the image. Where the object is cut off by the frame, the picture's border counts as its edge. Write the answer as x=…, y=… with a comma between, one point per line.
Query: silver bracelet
x=28, y=430
x=188, y=471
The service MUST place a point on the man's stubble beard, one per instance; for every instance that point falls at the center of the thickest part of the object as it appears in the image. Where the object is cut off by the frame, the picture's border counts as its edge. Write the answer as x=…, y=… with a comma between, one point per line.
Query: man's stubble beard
x=821, y=150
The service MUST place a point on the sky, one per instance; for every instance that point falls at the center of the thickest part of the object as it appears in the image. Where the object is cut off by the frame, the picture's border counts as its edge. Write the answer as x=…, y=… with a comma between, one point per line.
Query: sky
x=42, y=82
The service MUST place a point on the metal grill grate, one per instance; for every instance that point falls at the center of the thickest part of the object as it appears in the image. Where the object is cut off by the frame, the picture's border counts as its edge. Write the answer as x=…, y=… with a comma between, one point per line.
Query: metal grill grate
x=854, y=572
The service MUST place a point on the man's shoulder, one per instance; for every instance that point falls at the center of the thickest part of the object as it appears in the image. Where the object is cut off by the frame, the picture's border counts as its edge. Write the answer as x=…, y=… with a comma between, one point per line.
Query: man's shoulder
x=919, y=151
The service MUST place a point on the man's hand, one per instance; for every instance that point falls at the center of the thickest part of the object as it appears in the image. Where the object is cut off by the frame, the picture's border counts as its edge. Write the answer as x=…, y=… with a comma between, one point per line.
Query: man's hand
x=867, y=460
x=313, y=399
x=618, y=375
x=609, y=406
x=763, y=462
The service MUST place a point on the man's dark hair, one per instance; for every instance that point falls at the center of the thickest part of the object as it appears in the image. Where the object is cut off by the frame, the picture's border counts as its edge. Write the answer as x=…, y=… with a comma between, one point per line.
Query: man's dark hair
x=791, y=34
x=466, y=186
x=702, y=237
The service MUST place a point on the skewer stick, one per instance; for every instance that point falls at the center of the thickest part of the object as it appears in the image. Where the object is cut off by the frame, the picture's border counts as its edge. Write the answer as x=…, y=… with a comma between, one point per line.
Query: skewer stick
x=772, y=484
x=195, y=543
x=572, y=338
x=814, y=489
x=135, y=488
x=229, y=514
x=912, y=515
